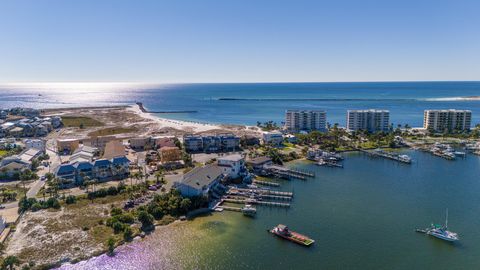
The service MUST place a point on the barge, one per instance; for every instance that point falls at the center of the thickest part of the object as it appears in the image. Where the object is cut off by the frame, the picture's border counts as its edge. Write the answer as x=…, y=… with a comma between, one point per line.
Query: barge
x=284, y=232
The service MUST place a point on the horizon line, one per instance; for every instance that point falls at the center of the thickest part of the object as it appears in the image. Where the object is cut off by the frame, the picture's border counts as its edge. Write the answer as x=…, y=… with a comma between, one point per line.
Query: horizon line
x=236, y=82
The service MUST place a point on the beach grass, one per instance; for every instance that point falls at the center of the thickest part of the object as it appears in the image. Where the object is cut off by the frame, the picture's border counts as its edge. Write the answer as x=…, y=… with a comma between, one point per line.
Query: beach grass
x=111, y=131
x=77, y=121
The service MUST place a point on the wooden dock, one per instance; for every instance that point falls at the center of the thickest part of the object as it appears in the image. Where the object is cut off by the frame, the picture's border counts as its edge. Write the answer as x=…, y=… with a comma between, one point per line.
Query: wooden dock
x=385, y=155
x=254, y=201
x=266, y=191
x=266, y=183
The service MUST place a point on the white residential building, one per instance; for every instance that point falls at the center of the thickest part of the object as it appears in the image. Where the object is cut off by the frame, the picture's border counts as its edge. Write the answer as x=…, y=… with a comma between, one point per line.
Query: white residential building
x=200, y=181
x=447, y=120
x=35, y=143
x=273, y=138
x=296, y=120
x=369, y=120
x=232, y=165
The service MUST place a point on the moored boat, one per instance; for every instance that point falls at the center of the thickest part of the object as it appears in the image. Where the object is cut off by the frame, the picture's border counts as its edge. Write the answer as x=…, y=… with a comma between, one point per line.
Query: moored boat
x=284, y=232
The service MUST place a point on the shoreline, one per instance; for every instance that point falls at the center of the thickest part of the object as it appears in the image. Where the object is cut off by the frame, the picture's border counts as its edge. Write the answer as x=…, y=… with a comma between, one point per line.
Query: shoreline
x=184, y=125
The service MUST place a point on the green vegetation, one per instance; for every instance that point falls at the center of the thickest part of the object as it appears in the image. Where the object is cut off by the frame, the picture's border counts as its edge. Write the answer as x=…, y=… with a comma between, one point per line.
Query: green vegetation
x=268, y=126
x=111, y=131
x=80, y=121
x=111, y=245
x=24, y=176
x=34, y=205
x=9, y=263
x=3, y=153
x=172, y=204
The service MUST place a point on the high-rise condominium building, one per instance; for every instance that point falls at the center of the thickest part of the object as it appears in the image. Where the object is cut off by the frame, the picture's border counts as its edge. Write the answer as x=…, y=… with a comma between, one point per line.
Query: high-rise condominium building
x=447, y=120
x=296, y=120
x=369, y=120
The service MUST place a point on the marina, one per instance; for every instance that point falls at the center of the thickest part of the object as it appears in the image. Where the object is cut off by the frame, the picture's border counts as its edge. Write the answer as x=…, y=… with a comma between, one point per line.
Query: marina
x=366, y=198
x=384, y=154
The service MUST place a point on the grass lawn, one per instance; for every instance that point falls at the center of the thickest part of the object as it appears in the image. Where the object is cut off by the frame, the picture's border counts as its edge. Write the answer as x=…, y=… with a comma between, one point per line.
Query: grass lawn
x=111, y=131
x=76, y=121
x=3, y=153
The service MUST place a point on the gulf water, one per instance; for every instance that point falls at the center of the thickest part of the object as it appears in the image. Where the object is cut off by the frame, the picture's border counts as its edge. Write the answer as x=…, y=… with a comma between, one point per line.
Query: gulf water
x=252, y=102
x=362, y=217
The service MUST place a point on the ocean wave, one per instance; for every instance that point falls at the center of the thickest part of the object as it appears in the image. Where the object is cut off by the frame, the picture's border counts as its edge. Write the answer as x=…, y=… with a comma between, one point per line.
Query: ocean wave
x=316, y=99
x=470, y=98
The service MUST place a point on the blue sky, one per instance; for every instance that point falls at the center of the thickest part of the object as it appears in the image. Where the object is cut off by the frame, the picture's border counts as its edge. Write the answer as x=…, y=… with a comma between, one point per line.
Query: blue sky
x=238, y=41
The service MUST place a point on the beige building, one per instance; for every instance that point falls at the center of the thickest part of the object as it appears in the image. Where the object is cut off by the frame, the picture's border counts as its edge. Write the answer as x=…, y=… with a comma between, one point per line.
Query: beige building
x=447, y=120
x=67, y=145
x=114, y=149
x=168, y=154
x=140, y=143
x=99, y=142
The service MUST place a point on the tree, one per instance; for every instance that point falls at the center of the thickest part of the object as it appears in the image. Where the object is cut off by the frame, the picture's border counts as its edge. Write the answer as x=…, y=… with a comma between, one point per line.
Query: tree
x=185, y=204
x=159, y=175
x=111, y=245
x=9, y=262
x=146, y=219
x=127, y=233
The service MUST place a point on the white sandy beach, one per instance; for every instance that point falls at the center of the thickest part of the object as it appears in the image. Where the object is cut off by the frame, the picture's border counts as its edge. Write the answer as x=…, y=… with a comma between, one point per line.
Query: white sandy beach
x=177, y=124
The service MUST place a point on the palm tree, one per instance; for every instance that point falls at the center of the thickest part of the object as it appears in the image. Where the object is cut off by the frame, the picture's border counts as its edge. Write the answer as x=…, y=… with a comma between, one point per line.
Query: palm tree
x=159, y=175
x=9, y=262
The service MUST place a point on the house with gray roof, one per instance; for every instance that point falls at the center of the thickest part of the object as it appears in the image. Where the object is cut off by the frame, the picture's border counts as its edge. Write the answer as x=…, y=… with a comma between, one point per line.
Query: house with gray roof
x=200, y=181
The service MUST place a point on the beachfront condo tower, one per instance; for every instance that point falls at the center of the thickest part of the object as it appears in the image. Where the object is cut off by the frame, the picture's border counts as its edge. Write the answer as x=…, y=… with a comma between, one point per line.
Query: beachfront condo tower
x=368, y=120
x=447, y=120
x=296, y=120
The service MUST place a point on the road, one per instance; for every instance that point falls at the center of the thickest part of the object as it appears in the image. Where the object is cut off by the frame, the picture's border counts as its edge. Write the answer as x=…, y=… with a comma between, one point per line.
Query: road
x=35, y=187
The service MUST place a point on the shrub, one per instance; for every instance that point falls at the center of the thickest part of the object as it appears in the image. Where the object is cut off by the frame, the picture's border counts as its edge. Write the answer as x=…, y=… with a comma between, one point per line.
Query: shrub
x=126, y=218
x=71, y=199
x=127, y=233
x=52, y=203
x=36, y=206
x=117, y=226
x=116, y=211
x=146, y=219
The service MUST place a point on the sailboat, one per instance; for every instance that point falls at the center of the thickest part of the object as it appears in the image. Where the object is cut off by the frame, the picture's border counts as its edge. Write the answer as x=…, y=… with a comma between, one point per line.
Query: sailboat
x=442, y=232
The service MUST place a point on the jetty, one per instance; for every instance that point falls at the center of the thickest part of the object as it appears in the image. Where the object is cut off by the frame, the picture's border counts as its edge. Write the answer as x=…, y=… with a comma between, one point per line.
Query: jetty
x=144, y=110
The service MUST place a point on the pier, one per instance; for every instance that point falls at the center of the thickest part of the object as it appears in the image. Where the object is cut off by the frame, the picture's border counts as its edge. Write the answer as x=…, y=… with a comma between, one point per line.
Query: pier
x=262, y=191
x=380, y=153
x=266, y=183
x=286, y=173
x=254, y=201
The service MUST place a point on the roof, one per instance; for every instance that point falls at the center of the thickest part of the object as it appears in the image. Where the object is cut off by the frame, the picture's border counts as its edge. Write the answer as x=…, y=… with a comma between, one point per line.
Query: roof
x=259, y=160
x=65, y=169
x=30, y=154
x=166, y=148
x=16, y=129
x=101, y=162
x=166, y=141
x=202, y=176
x=120, y=160
x=14, y=166
x=234, y=157
x=114, y=149
x=83, y=165
x=86, y=149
